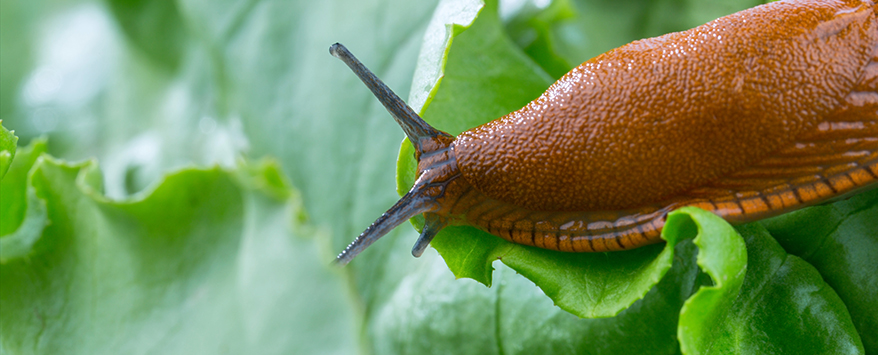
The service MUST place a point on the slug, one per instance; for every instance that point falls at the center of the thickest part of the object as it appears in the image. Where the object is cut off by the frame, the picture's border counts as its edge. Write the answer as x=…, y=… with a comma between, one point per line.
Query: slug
x=752, y=115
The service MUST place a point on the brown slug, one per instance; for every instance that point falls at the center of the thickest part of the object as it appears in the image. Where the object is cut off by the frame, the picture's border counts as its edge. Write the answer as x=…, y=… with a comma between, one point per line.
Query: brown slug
x=752, y=115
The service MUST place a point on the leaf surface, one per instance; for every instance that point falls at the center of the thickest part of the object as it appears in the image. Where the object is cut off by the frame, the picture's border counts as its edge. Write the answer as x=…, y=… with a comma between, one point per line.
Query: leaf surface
x=207, y=261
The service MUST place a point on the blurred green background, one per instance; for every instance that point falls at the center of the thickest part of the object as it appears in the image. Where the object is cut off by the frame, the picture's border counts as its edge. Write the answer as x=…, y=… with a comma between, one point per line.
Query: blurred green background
x=149, y=88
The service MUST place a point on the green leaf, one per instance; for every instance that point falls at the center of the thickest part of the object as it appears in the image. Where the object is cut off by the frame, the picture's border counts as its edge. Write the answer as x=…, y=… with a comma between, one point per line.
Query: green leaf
x=207, y=261
x=532, y=29
x=450, y=19
x=723, y=256
x=8, y=144
x=155, y=27
x=478, y=82
x=783, y=306
x=23, y=217
x=253, y=77
x=840, y=240
x=432, y=312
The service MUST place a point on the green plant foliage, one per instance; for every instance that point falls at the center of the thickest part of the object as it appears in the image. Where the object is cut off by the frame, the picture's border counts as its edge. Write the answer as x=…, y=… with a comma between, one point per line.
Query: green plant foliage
x=153, y=255
x=841, y=241
x=513, y=317
x=24, y=217
x=154, y=26
x=208, y=261
x=774, y=307
x=8, y=143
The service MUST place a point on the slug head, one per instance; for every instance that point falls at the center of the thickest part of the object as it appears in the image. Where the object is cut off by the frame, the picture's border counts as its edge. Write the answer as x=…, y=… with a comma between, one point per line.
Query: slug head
x=437, y=167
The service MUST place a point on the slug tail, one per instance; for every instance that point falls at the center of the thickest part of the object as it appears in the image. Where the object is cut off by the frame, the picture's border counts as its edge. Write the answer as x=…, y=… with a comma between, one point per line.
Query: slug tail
x=407, y=207
x=415, y=128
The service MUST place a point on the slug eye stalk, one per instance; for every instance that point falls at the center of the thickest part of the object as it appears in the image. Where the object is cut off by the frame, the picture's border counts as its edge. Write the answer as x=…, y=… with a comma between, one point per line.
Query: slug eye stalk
x=413, y=125
x=407, y=207
x=424, y=138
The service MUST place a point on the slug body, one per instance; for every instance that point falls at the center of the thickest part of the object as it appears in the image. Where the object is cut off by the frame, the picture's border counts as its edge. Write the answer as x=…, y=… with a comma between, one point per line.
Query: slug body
x=749, y=116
